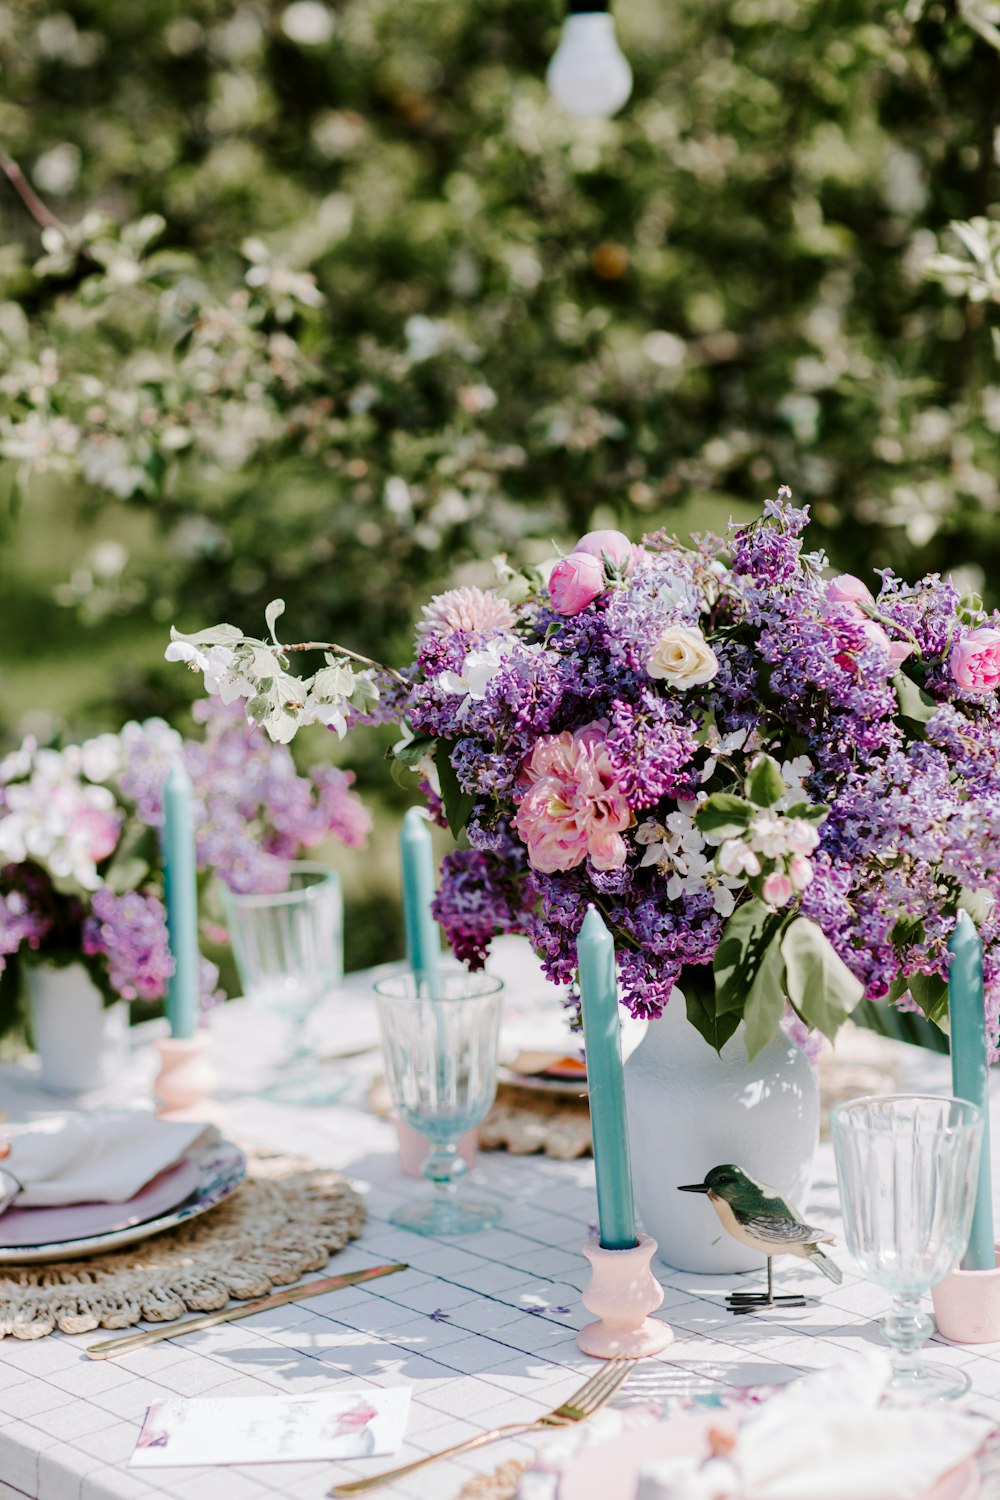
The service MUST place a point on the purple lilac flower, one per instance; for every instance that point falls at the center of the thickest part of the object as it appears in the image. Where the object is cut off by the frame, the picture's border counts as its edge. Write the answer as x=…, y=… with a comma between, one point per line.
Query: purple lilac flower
x=131, y=933
x=480, y=897
x=21, y=923
x=254, y=812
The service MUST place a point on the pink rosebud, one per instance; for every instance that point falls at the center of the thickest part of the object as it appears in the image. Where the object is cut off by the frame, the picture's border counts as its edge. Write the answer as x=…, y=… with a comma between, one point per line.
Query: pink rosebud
x=575, y=582
x=975, y=660
x=612, y=544
x=846, y=589
x=777, y=890
x=800, y=872
x=896, y=651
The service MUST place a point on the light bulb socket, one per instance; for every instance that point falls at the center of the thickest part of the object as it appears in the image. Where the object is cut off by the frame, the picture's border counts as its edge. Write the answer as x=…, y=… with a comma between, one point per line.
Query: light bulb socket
x=586, y=7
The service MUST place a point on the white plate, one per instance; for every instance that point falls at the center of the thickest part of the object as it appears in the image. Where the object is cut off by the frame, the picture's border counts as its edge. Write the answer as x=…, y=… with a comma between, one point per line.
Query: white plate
x=221, y=1168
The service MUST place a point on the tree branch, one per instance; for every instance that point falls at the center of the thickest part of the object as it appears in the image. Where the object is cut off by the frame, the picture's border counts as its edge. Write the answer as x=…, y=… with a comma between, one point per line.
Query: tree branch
x=365, y=661
x=39, y=211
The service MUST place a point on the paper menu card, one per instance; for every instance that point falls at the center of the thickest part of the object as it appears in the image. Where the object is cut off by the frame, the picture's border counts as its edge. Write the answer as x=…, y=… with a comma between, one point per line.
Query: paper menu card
x=352, y=1423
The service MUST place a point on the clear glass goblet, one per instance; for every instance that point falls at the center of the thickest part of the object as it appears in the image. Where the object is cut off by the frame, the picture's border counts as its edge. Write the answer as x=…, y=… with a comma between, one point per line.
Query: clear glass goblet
x=907, y=1165
x=441, y=1067
x=289, y=951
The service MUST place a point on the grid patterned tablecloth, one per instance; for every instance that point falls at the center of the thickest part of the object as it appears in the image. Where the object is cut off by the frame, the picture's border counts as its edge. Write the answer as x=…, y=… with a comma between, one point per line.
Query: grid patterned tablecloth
x=482, y=1327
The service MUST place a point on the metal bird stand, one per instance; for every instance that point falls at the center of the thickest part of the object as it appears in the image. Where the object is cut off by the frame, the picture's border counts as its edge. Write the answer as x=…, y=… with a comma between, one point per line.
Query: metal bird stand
x=747, y=1302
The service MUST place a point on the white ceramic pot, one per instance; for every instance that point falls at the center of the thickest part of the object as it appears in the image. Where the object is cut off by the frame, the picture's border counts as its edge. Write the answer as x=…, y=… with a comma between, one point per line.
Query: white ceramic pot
x=690, y=1110
x=80, y=1041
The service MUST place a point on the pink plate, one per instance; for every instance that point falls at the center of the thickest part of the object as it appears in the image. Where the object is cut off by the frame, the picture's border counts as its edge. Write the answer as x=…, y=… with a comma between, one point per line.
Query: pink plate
x=20, y=1227
x=612, y=1468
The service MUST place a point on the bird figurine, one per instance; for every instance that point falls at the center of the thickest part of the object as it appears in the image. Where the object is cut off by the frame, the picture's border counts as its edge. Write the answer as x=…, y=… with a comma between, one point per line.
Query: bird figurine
x=760, y=1218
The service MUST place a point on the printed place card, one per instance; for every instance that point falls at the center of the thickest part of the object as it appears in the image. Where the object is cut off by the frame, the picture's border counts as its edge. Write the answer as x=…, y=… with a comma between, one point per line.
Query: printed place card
x=272, y=1429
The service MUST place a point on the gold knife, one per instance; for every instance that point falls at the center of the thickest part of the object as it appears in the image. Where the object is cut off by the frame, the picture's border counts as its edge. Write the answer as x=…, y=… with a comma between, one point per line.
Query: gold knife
x=110, y=1347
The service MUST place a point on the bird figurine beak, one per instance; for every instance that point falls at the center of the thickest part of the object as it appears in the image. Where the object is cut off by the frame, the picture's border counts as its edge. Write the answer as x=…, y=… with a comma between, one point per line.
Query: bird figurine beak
x=694, y=1187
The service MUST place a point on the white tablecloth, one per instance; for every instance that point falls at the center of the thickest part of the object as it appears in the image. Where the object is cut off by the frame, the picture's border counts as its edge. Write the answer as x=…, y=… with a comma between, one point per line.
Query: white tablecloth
x=481, y=1327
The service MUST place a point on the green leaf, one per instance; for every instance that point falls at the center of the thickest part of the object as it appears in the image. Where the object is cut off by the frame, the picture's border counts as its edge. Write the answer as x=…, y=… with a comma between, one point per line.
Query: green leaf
x=808, y=812
x=132, y=861
x=413, y=752
x=906, y=930
x=272, y=613
x=457, y=804
x=764, y=785
x=331, y=683
x=364, y=694
x=820, y=985
x=724, y=815
x=715, y=1029
x=915, y=706
x=897, y=989
x=216, y=635
x=930, y=992
x=766, y=1001
x=741, y=952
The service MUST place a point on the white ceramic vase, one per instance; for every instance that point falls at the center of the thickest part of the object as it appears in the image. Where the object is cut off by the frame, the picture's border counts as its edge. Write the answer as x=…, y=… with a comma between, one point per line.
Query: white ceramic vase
x=690, y=1109
x=80, y=1041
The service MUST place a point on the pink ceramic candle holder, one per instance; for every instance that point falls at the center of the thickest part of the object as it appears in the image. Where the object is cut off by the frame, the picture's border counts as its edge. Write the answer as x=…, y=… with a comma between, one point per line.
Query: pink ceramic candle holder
x=623, y=1292
x=967, y=1305
x=186, y=1078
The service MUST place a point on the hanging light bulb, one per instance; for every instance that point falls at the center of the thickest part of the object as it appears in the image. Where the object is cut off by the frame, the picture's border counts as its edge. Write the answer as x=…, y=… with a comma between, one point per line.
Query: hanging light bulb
x=589, y=74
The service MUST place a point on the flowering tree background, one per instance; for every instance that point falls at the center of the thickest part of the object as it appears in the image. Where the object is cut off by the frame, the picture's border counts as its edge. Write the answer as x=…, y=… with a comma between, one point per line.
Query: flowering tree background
x=330, y=302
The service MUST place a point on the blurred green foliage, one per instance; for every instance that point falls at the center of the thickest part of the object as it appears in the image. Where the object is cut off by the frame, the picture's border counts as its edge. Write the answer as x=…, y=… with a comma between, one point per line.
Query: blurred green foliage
x=334, y=303
x=341, y=304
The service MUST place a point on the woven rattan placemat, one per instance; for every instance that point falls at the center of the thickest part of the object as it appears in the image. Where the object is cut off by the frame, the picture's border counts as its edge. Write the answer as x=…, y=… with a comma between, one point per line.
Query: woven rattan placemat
x=285, y=1219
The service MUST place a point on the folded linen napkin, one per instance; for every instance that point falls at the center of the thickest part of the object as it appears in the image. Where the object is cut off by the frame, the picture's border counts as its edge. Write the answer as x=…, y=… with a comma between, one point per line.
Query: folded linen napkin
x=826, y=1437
x=103, y=1157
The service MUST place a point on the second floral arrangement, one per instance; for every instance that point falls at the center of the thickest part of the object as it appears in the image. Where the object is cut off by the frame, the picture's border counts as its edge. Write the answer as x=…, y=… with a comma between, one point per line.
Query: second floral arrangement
x=80, y=867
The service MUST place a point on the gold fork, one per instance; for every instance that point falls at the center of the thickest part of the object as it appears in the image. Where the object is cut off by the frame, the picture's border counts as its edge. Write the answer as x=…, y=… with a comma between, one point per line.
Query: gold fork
x=583, y=1404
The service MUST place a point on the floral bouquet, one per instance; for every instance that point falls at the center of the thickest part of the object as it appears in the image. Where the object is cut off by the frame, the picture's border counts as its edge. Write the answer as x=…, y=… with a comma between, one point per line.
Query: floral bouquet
x=80, y=872
x=776, y=786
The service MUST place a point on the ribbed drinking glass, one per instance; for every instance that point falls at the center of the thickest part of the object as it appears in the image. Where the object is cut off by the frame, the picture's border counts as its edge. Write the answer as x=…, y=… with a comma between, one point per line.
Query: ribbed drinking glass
x=441, y=1068
x=289, y=951
x=907, y=1165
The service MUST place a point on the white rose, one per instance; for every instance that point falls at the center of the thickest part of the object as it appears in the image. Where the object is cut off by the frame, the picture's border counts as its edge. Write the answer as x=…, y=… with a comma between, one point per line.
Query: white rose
x=682, y=657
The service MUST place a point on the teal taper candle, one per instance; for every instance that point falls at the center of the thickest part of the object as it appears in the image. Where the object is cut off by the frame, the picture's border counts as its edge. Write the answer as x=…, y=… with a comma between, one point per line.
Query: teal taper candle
x=595, y=955
x=970, y=1074
x=180, y=885
x=423, y=941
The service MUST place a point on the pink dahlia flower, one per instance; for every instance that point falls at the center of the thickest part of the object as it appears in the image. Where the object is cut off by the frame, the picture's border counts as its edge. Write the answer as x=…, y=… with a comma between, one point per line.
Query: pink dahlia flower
x=466, y=609
x=573, y=808
x=975, y=660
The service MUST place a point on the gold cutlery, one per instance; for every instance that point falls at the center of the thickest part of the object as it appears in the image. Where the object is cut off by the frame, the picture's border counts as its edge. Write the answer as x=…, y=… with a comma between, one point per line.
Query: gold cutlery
x=587, y=1400
x=110, y=1347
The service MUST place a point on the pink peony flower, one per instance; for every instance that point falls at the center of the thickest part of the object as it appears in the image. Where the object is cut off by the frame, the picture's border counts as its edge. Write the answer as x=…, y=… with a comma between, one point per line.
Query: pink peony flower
x=465, y=609
x=573, y=808
x=846, y=589
x=975, y=660
x=575, y=582
x=613, y=544
x=777, y=890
